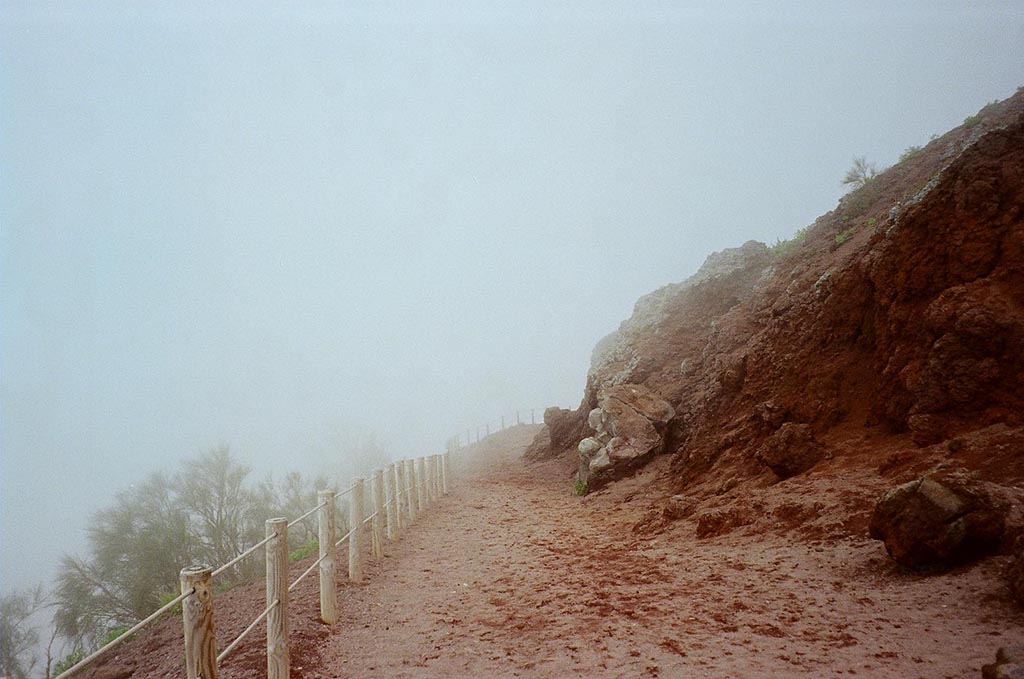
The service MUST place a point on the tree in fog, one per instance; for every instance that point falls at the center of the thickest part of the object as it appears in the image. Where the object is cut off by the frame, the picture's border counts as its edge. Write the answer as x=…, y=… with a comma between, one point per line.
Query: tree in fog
x=292, y=497
x=137, y=547
x=226, y=514
x=860, y=173
x=18, y=636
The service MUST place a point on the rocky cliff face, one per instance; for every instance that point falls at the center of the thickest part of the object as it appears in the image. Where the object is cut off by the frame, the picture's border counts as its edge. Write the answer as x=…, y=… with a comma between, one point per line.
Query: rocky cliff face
x=900, y=312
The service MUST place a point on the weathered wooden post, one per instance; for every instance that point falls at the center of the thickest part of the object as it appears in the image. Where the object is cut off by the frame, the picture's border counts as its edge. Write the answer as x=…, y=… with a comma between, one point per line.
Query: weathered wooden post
x=437, y=477
x=378, y=513
x=517, y=418
x=410, y=489
x=400, y=497
x=428, y=485
x=391, y=501
x=478, y=434
x=328, y=577
x=488, y=428
x=503, y=423
x=421, y=477
x=278, y=656
x=533, y=418
x=444, y=472
x=355, y=514
x=197, y=616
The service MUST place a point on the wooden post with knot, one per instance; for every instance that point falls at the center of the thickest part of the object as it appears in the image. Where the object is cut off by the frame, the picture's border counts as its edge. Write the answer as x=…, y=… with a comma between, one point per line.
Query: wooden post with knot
x=197, y=616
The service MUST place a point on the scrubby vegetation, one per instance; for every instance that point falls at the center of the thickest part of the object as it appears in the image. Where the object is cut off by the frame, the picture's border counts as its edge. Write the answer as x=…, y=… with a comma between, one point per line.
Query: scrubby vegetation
x=208, y=513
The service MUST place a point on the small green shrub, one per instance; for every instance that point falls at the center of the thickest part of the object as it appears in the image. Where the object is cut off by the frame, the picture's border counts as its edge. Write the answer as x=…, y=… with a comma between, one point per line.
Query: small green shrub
x=971, y=121
x=115, y=633
x=310, y=547
x=580, y=488
x=781, y=247
x=844, y=236
x=68, y=661
x=872, y=221
x=909, y=153
x=860, y=173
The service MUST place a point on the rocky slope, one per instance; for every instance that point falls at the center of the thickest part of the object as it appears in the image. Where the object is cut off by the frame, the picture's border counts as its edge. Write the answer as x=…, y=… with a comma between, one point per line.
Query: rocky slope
x=884, y=342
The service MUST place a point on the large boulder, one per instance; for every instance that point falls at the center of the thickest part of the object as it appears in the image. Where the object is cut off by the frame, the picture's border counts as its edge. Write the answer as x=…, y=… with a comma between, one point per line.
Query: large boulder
x=1009, y=664
x=629, y=426
x=938, y=521
x=791, y=450
x=562, y=429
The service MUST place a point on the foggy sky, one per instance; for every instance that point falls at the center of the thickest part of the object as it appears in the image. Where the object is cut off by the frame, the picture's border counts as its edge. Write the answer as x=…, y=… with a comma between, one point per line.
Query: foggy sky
x=285, y=230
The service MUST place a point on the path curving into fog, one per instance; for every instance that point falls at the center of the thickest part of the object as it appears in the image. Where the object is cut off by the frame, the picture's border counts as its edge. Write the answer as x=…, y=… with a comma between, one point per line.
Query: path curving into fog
x=513, y=576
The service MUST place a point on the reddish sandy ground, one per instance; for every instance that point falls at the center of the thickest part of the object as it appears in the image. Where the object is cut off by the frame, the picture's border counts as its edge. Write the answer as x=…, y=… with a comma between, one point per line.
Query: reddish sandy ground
x=513, y=576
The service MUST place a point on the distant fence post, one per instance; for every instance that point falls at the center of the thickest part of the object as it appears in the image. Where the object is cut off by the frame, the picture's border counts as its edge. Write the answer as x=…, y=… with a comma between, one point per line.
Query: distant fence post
x=278, y=660
x=410, y=489
x=517, y=418
x=432, y=477
x=400, y=493
x=421, y=475
x=377, y=523
x=444, y=472
x=391, y=499
x=197, y=616
x=487, y=428
x=533, y=418
x=328, y=579
x=355, y=552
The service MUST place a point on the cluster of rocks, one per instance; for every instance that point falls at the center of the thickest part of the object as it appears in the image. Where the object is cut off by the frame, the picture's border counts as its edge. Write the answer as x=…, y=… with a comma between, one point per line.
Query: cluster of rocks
x=629, y=426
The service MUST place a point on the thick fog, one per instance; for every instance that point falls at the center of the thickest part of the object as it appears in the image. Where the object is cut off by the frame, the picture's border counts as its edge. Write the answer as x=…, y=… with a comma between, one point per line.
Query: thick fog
x=292, y=231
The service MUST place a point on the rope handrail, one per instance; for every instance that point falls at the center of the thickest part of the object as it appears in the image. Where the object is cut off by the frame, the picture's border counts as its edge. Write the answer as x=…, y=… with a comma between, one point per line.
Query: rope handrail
x=307, y=514
x=88, y=660
x=308, y=571
x=241, y=556
x=399, y=491
x=259, y=618
x=344, y=537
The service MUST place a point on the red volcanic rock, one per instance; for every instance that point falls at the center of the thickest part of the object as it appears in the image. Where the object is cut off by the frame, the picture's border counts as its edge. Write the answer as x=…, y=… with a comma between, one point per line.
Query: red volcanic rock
x=938, y=521
x=791, y=450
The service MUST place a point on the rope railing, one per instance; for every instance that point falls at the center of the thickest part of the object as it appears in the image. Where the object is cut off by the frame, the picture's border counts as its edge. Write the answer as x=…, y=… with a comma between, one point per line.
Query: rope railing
x=252, y=625
x=306, y=515
x=399, y=493
x=241, y=556
x=89, y=659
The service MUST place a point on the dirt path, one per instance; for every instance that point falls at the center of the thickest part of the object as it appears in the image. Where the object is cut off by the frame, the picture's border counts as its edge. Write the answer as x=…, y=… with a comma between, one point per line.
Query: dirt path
x=510, y=577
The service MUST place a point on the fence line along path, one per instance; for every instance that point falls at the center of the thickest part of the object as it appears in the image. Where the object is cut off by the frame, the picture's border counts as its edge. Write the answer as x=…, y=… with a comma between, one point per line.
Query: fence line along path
x=398, y=493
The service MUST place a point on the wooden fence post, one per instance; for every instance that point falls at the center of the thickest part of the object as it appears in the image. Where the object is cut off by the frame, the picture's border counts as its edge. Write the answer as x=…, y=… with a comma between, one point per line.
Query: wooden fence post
x=533, y=418
x=488, y=428
x=400, y=495
x=377, y=523
x=437, y=477
x=410, y=488
x=421, y=487
x=328, y=578
x=278, y=657
x=444, y=472
x=355, y=513
x=428, y=486
x=503, y=423
x=391, y=499
x=197, y=616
